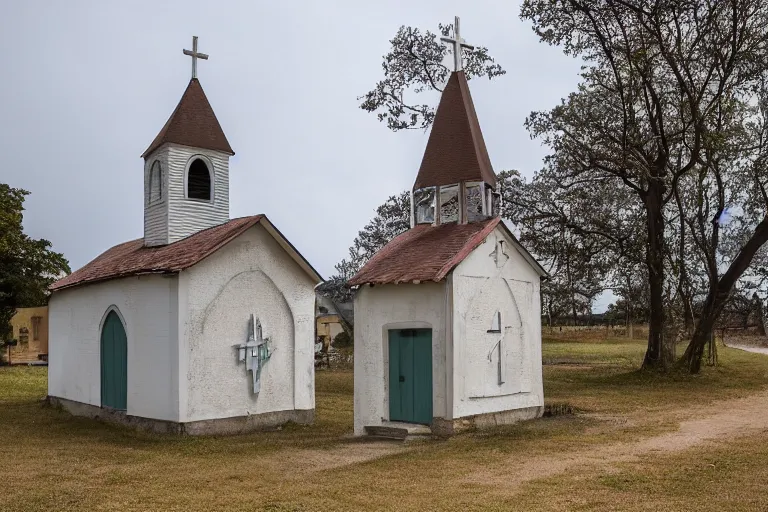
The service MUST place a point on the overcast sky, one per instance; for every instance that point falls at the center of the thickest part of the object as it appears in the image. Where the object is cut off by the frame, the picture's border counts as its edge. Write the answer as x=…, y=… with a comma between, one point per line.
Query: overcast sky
x=86, y=86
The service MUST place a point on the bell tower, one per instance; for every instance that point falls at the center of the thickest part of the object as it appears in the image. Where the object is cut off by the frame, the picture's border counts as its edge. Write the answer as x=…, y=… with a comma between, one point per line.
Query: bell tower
x=186, y=169
x=456, y=182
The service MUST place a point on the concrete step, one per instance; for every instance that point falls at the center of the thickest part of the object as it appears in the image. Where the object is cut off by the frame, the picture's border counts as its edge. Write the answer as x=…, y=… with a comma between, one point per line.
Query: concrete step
x=398, y=431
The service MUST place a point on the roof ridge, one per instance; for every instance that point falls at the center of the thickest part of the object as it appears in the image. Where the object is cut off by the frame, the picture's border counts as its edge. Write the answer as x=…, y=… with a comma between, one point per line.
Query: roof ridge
x=423, y=253
x=470, y=245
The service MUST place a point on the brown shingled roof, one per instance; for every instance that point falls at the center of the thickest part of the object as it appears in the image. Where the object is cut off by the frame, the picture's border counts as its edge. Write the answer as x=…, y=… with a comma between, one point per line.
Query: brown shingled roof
x=133, y=258
x=456, y=150
x=192, y=123
x=424, y=253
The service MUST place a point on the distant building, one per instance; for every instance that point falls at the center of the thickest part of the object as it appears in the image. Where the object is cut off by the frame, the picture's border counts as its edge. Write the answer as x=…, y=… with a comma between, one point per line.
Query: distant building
x=30, y=330
x=331, y=319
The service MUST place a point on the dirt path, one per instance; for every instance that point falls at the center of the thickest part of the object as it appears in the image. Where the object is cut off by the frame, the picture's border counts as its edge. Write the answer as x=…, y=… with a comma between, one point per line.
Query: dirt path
x=716, y=421
x=725, y=419
x=749, y=348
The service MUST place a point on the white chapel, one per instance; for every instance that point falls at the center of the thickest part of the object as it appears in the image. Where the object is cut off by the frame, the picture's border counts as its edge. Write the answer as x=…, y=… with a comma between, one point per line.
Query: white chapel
x=448, y=314
x=203, y=326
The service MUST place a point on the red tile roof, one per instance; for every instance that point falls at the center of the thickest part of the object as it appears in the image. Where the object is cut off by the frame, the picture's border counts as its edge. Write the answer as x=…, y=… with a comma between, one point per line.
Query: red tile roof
x=132, y=258
x=424, y=253
x=192, y=123
x=456, y=150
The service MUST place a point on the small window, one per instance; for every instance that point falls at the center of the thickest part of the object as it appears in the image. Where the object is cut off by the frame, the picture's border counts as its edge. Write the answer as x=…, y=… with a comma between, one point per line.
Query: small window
x=199, y=181
x=155, y=183
x=474, y=200
x=424, y=205
x=36, y=328
x=495, y=204
x=449, y=204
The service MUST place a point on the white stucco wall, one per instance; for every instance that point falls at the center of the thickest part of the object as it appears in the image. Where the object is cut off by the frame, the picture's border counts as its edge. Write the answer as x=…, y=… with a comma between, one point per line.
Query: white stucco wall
x=481, y=286
x=251, y=274
x=377, y=310
x=148, y=307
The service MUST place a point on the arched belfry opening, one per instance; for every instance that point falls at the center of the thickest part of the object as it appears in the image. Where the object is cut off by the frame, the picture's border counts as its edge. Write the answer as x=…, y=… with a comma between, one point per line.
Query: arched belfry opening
x=199, y=181
x=155, y=183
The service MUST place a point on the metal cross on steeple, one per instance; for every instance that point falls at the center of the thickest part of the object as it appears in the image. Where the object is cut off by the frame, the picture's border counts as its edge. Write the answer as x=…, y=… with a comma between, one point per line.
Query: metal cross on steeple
x=458, y=43
x=195, y=56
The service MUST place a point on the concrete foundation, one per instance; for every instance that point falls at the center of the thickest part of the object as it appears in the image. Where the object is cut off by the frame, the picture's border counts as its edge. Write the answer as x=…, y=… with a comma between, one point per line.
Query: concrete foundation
x=220, y=426
x=444, y=427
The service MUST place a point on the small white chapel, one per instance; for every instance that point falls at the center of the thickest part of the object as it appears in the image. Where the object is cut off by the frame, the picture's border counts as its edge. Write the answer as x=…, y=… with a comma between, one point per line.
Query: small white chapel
x=203, y=326
x=448, y=314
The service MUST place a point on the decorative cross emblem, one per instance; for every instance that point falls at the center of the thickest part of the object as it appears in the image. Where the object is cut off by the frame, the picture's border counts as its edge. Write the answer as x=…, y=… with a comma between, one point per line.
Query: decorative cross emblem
x=254, y=352
x=499, y=256
x=195, y=55
x=458, y=43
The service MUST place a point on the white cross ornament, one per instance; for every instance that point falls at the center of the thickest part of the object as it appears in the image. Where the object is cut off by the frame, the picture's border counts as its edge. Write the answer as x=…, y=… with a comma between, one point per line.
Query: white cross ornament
x=255, y=352
x=457, y=43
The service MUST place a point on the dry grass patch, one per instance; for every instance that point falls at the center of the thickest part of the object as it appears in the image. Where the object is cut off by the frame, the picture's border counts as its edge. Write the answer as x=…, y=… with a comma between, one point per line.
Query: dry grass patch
x=52, y=461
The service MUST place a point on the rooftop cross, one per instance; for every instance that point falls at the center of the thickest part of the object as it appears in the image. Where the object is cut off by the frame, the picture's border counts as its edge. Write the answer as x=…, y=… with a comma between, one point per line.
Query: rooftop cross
x=196, y=56
x=457, y=43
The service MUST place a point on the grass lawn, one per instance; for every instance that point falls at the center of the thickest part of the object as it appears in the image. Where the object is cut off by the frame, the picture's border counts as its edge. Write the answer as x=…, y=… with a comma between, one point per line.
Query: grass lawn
x=52, y=461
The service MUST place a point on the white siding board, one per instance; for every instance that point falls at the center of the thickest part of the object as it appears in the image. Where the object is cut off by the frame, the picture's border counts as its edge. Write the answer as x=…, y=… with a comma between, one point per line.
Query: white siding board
x=176, y=217
x=156, y=214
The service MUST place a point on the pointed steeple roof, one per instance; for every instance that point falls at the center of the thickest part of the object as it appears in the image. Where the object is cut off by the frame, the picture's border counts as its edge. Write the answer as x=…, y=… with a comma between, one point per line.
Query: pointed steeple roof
x=456, y=150
x=192, y=123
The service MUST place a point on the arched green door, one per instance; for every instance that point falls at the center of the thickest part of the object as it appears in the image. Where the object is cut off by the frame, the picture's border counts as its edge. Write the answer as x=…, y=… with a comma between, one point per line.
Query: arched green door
x=114, y=363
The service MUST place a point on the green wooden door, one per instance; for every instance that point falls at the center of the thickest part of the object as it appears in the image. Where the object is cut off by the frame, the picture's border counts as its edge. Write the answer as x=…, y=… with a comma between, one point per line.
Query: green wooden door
x=410, y=375
x=114, y=363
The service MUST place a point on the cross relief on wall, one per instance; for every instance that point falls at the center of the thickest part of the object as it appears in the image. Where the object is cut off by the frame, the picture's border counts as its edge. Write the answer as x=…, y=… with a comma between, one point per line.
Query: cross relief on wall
x=255, y=352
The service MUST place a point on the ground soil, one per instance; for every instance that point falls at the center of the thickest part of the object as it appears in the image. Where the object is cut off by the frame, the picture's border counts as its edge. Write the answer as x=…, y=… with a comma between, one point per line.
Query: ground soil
x=716, y=421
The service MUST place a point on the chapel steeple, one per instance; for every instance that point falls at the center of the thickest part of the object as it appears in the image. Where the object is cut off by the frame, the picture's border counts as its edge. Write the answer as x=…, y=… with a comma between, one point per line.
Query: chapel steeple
x=456, y=182
x=186, y=169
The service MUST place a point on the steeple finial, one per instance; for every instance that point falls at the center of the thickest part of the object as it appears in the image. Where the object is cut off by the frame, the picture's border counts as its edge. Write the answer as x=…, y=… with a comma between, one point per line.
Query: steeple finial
x=457, y=43
x=195, y=55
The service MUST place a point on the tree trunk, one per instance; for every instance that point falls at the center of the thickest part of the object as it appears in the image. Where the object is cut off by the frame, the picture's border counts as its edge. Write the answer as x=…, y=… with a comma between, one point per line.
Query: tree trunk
x=759, y=319
x=683, y=285
x=628, y=307
x=658, y=354
x=718, y=296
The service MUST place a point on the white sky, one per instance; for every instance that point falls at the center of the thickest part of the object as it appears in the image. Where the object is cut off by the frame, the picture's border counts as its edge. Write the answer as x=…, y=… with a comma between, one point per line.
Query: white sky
x=86, y=86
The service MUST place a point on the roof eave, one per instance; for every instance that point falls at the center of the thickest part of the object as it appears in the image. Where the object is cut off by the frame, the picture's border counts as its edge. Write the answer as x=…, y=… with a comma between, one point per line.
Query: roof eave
x=291, y=250
x=54, y=289
x=524, y=252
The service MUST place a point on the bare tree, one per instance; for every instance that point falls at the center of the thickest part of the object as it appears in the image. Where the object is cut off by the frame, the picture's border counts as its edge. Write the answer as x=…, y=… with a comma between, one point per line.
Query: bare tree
x=415, y=65
x=644, y=116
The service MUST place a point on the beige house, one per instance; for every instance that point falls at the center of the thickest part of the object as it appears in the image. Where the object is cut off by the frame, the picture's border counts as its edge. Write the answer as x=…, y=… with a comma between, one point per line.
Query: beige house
x=30, y=329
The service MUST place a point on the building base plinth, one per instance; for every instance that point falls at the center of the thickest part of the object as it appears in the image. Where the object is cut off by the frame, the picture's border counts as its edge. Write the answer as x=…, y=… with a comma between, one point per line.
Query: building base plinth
x=219, y=426
x=445, y=427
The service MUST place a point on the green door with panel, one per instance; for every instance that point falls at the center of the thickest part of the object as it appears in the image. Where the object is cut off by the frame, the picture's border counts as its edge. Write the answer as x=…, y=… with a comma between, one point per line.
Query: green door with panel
x=114, y=363
x=410, y=375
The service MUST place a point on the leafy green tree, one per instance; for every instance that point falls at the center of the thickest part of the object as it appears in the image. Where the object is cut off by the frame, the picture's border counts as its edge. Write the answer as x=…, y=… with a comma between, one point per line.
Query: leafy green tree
x=27, y=266
x=415, y=65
